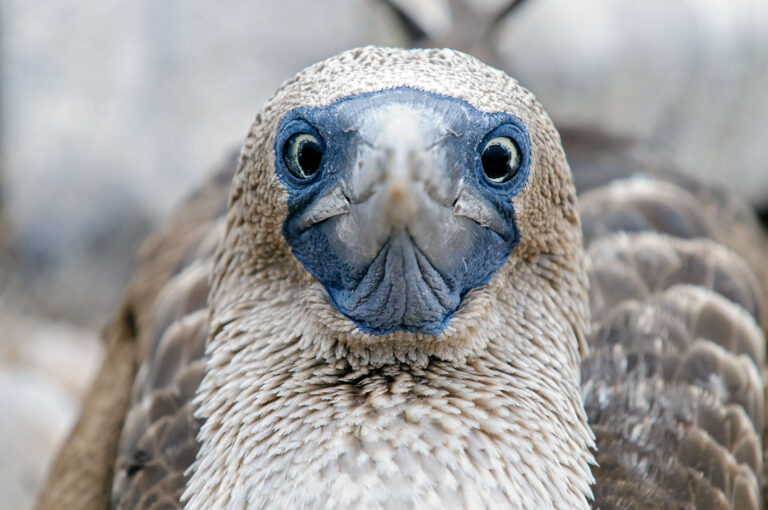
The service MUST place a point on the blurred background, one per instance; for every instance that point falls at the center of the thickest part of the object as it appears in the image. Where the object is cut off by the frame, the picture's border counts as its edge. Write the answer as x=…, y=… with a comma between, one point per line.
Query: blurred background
x=111, y=111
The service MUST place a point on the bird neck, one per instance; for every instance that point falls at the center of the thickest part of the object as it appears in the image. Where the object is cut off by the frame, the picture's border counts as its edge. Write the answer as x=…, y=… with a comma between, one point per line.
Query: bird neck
x=297, y=417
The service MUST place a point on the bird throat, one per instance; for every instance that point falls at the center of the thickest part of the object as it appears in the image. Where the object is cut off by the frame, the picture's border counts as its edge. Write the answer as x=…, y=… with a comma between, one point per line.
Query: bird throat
x=305, y=432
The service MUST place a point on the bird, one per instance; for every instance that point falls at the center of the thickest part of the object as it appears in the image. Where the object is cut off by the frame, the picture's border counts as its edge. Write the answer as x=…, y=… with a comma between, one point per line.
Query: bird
x=392, y=297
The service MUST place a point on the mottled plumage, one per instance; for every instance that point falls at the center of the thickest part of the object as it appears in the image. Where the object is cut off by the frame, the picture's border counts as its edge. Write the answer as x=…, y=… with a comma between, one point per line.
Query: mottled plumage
x=258, y=387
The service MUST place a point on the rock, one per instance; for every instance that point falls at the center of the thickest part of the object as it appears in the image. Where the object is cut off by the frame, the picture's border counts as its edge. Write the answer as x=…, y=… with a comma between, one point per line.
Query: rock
x=45, y=368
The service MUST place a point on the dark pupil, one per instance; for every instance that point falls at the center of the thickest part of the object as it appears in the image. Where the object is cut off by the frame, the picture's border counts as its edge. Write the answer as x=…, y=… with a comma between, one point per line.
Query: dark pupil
x=309, y=156
x=496, y=161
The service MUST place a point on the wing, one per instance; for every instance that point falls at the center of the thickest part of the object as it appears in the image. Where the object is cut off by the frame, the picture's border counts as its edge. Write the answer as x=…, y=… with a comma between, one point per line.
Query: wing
x=142, y=439
x=673, y=380
x=158, y=440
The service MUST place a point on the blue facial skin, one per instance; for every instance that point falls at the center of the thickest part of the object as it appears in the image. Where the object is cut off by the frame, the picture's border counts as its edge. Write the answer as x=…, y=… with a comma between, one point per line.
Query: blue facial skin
x=389, y=274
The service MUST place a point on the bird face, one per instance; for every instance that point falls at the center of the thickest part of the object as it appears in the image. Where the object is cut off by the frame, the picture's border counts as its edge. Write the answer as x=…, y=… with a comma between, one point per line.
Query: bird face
x=400, y=202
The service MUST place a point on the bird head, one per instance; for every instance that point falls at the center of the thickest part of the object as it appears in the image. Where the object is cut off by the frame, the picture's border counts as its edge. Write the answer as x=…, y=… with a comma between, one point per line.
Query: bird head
x=405, y=200
x=398, y=298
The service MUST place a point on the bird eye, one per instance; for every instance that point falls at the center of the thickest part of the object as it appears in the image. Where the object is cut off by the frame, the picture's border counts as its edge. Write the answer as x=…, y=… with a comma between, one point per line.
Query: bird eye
x=501, y=159
x=302, y=154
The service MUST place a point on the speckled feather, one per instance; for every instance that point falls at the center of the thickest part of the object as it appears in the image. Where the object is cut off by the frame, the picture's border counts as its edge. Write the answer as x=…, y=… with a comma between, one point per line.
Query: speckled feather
x=673, y=382
x=670, y=372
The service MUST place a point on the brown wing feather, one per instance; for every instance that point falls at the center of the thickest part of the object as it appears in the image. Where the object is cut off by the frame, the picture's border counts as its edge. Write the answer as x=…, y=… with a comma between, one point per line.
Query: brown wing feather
x=158, y=440
x=627, y=187
x=672, y=384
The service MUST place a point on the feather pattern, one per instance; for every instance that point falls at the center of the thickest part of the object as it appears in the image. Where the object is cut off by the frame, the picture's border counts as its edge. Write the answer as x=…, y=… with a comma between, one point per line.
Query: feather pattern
x=673, y=382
